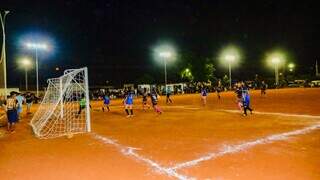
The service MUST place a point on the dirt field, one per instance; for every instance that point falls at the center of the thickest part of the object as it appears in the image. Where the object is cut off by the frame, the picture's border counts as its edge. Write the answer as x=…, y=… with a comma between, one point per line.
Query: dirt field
x=281, y=140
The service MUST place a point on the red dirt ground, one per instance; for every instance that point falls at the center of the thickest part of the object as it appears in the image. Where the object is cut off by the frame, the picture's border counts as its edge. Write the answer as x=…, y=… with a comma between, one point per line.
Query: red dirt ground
x=185, y=131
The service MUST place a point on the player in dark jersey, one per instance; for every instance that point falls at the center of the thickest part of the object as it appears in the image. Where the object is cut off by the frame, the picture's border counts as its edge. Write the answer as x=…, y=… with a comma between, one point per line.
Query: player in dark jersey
x=238, y=92
x=29, y=101
x=154, y=100
x=145, y=99
x=128, y=103
x=204, y=95
x=219, y=88
x=263, y=88
x=106, y=102
x=168, y=99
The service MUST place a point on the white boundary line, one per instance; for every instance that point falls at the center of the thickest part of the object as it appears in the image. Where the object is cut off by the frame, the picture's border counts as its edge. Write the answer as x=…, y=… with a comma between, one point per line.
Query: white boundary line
x=275, y=113
x=130, y=151
x=241, y=147
x=229, y=149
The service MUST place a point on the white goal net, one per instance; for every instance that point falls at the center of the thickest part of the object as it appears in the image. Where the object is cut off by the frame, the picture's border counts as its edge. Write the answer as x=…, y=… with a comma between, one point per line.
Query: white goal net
x=65, y=108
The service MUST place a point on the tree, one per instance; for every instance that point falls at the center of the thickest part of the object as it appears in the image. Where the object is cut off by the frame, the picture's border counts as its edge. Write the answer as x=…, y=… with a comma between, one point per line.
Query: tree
x=209, y=71
x=186, y=74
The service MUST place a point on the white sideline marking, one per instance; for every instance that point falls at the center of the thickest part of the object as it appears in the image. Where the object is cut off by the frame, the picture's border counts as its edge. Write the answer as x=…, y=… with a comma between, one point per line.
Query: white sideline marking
x=241, y=147
x=275, y=113
x=130, y=151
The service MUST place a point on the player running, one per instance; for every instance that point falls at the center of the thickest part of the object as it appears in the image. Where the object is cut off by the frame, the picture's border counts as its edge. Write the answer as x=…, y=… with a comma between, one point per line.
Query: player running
x=29, y=100
x=106, y=102
x=10, y=106
x=246, y=100
x=128, y=103
x=154, y=100
x=263, y=88
x=168, y=99
x=204, y=95
x=238, y=92
x=219, y=89
x=145, y=99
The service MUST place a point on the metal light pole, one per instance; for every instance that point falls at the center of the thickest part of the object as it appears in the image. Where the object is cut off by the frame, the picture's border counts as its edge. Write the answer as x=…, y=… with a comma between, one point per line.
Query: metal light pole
x=165, y=73
x=165, y=55
x=276, y=61
x=26, y=76
x=276, y=73
x=3, y=55
x=26, y=63
x=230, y=80
x=230, y=59
x=37, y=71
x=37, y=47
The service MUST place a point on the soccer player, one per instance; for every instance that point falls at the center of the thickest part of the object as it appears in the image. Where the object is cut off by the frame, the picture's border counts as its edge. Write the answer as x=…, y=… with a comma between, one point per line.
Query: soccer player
x=246, y=100
x=82, y=104
x=168, y=99
x=20, y=99
x=10, y=106
x=29, y=100
x=204, y=95
x=238, y=92
x=145, y=99
x=263, y=88
x=219, y=89
x=154, y=100
x=106, y=102
x=128, y=103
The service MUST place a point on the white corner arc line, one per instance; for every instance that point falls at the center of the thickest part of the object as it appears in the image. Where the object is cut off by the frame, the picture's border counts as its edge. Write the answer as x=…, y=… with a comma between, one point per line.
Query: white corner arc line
x=130, y=151
x=275, y=113
x=241, y=147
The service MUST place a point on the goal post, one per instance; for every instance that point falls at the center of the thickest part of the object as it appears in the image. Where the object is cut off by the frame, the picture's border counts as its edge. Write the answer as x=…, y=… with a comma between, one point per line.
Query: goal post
x=65, y=108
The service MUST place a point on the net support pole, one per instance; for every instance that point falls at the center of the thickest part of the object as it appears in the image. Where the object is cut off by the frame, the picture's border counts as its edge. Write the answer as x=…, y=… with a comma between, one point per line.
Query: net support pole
x=61, y=98
x=86, y=83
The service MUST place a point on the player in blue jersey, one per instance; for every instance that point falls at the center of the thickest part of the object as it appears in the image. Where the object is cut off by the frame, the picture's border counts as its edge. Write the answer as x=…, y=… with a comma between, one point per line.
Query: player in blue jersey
x=128, y=103
x=204, y=94
x=106, y=102
x=246, y=100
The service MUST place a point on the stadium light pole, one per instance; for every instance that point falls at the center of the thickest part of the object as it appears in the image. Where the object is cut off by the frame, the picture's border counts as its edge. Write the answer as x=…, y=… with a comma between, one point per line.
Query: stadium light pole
x=3, y=52
x=165, y=55
x=26, y=64
x=37, y=47
x=276, y=61
x=230, y=59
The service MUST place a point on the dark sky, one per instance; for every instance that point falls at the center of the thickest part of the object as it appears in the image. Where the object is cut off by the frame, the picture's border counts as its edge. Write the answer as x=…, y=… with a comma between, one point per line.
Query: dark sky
x=114, y=38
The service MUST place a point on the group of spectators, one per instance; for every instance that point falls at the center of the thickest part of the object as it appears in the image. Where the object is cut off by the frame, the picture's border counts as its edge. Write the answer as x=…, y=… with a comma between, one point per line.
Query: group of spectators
x=13, y=107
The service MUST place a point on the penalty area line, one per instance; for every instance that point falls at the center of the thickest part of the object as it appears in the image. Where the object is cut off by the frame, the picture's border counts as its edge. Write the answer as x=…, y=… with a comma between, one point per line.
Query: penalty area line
x=131, y=151
x=230, y=149
x=275, y=113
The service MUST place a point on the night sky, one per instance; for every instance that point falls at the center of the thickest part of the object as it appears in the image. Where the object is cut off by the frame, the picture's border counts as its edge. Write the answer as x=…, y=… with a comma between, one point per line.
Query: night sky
x=115, y=38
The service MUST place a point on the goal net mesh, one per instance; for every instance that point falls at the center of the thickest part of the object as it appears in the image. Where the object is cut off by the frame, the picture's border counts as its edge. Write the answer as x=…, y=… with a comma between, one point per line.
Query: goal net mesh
x=64, y=109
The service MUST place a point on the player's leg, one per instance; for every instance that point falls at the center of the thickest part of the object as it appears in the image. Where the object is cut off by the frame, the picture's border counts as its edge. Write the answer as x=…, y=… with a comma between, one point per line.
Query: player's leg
x=108, y=107
x=127, y=110
x=131, y=109
x=80, y=109
x=245, y=110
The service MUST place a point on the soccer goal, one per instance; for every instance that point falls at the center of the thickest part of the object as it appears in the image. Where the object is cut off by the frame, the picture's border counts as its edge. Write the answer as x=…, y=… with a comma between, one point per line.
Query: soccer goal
x=65, y=108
